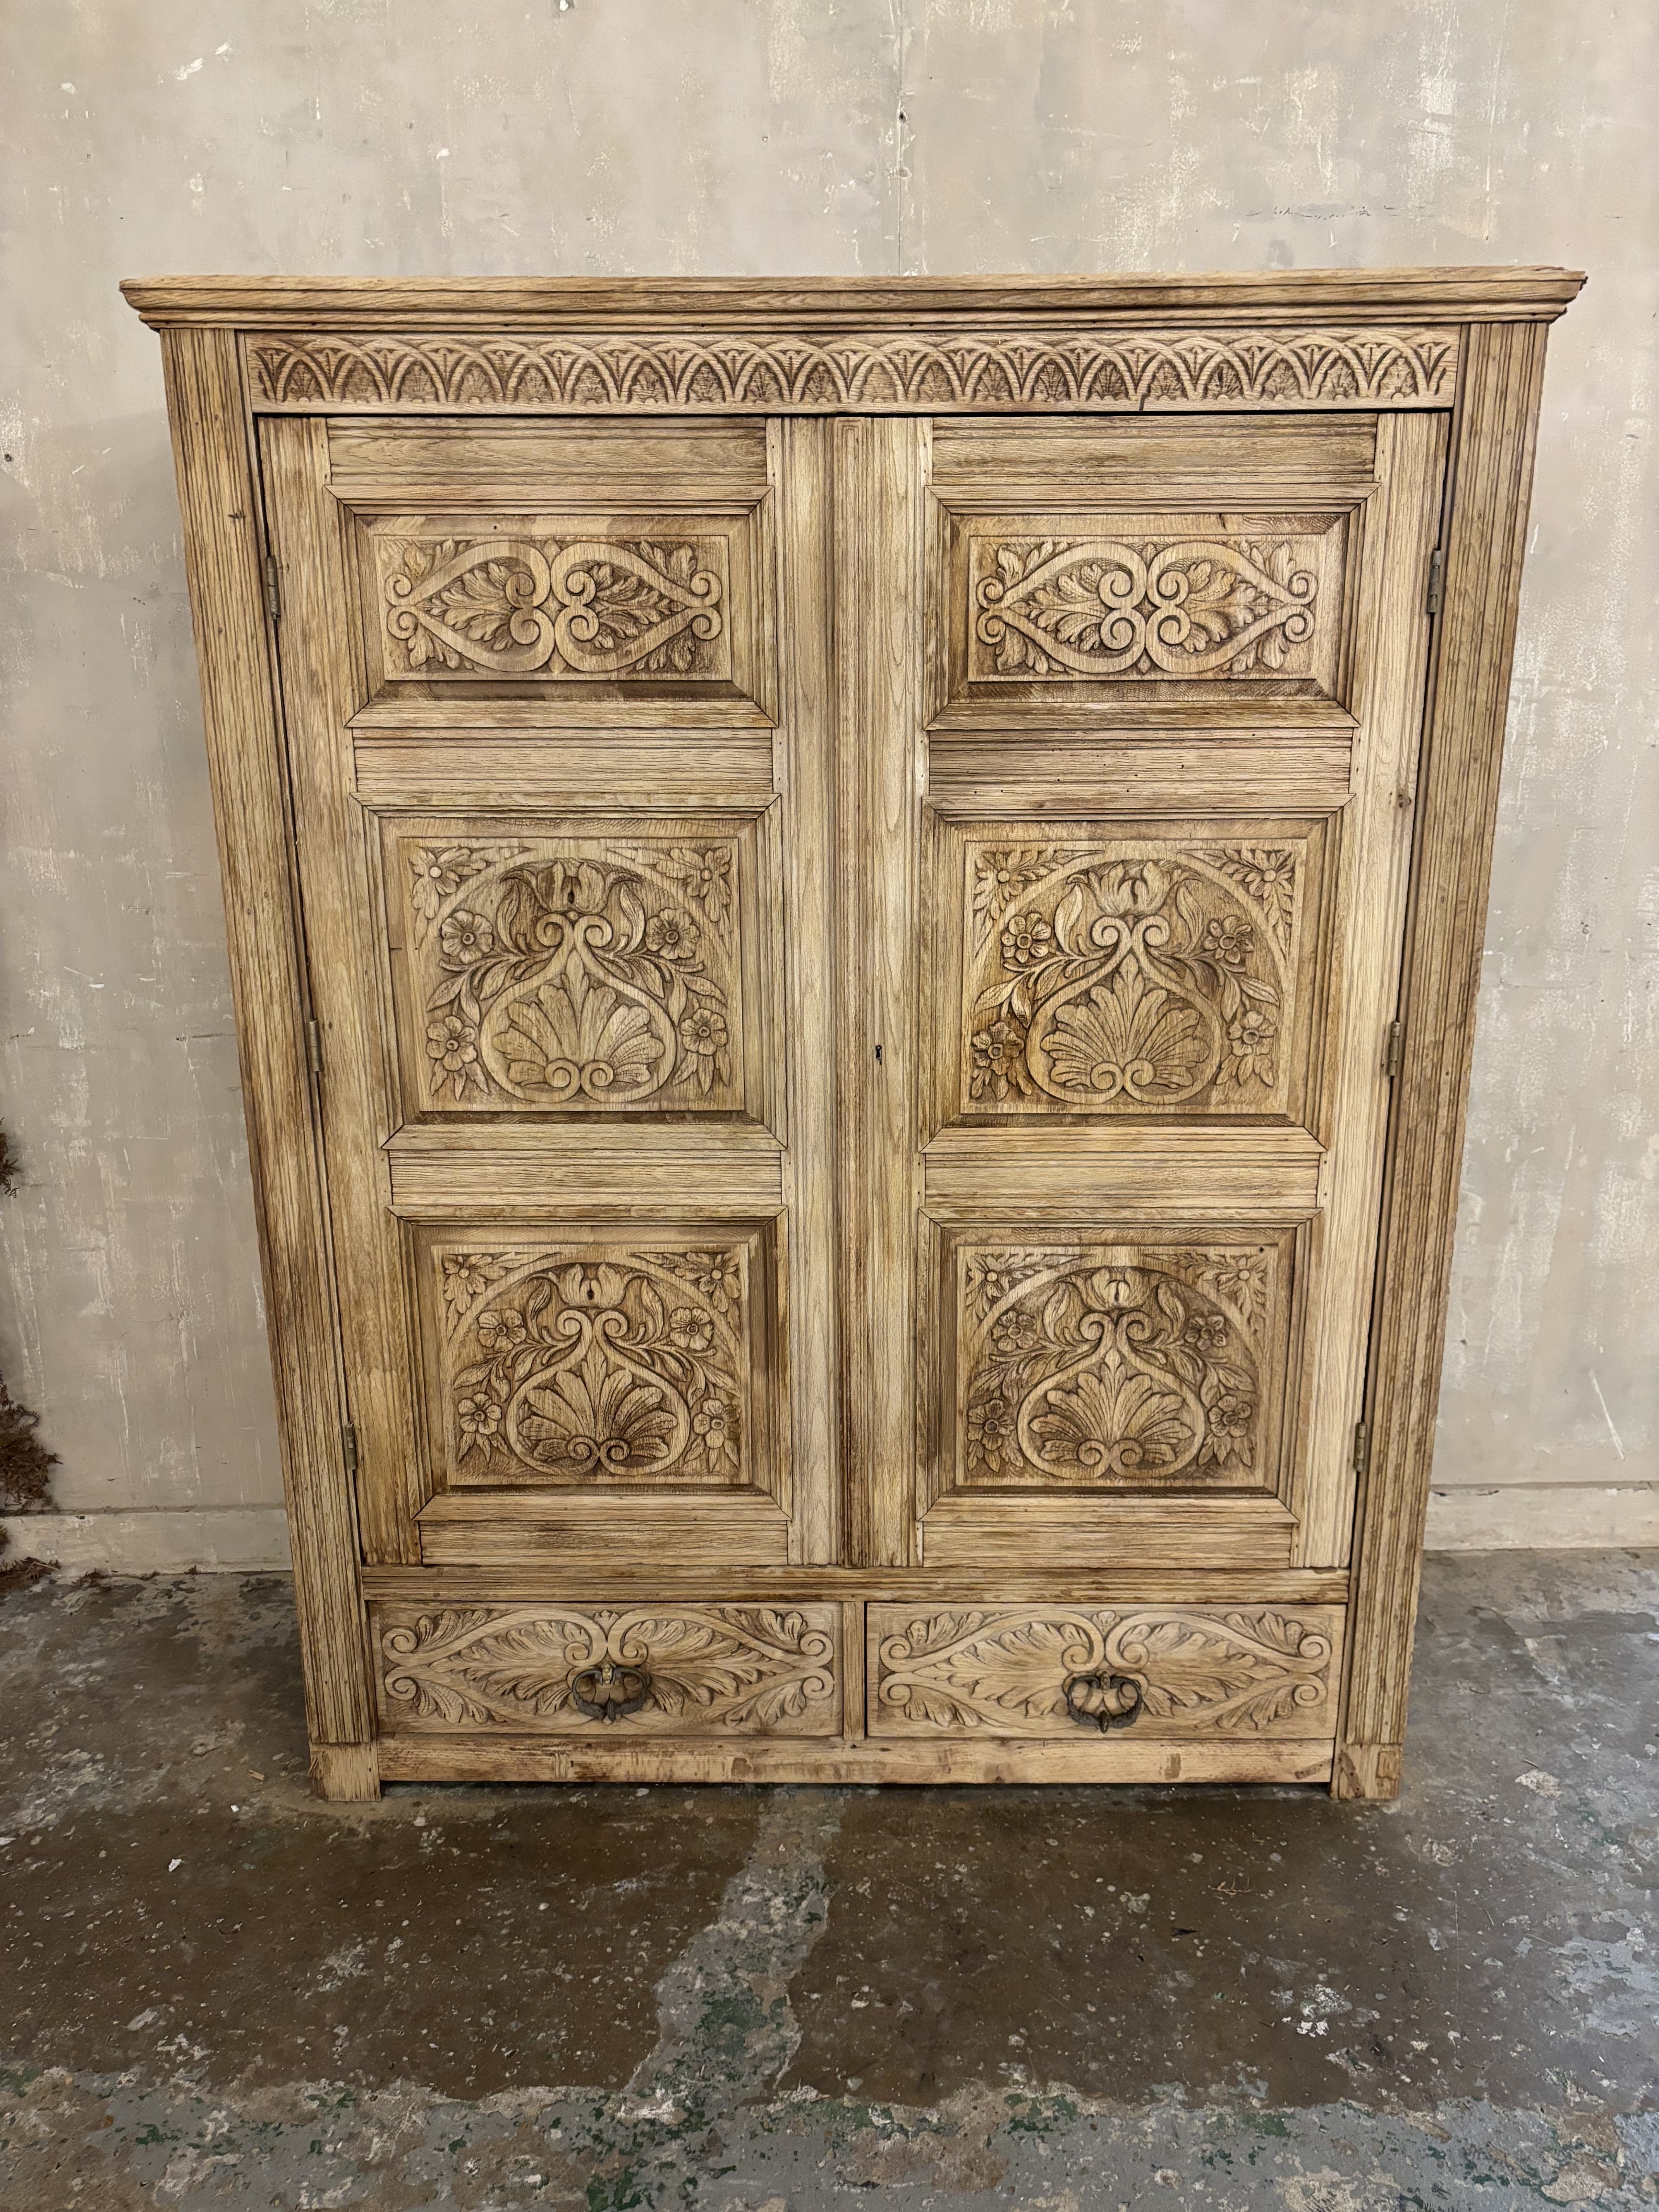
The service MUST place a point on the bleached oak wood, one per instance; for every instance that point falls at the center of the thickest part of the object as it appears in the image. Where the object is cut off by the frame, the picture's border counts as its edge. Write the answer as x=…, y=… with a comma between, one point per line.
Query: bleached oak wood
x=1142, y=597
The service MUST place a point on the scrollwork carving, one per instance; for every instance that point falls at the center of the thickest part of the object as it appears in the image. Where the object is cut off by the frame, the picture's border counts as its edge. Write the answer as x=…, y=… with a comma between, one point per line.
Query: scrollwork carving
x=1158, y=980
x=1122, y=1367
x=1100, y=607
x=739, y=1669
x=584, y=607
x=1174, y=1670
x=580, y=1366
x=869, y=371
x=586, y=981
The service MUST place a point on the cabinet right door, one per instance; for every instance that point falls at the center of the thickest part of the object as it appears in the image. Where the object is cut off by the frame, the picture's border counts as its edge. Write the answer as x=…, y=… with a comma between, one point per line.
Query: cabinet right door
x=1139, y=707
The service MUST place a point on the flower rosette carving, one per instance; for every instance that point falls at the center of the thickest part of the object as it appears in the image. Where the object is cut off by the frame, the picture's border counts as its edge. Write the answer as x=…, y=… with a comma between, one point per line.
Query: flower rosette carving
x=1192, y=1671
x=1090, y=1370
x=1117, y=607
x=584, y=1369
x=525, y=606
x=579, y=982
x=1133, y=984
x=729, y=1668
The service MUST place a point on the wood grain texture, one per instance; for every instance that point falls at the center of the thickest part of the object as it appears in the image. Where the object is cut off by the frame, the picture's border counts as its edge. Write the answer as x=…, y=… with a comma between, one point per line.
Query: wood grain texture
x=1457, y=798
x=223, y=556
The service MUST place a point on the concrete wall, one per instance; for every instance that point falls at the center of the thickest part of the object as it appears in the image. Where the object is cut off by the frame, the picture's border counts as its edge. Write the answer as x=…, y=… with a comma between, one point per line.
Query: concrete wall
x=778, y=137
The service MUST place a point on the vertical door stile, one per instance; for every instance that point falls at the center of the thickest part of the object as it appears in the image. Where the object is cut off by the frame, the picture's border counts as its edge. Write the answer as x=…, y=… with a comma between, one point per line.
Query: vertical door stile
x=880, y=474
x=802, y=462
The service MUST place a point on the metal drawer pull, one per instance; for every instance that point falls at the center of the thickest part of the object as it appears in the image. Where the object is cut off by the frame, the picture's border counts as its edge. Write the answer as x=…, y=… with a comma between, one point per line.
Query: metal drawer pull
x=610, y=1692
x=1103, y=1701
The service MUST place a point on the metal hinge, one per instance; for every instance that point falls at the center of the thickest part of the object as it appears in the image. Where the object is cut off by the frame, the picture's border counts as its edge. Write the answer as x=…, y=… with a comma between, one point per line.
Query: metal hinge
x=1361, y=1447
x=273, y=595
x=314, y=1049
x=1437, y=581
x=1393, y=1051
x=349, y=1446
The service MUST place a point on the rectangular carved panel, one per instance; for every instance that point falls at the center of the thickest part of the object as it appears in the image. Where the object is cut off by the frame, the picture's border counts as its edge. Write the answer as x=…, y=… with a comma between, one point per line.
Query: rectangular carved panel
x=671, y=605
x=592, y=968
x=604, y=1358
x=1106, y=973
x=1073, y=1671
x=616, y=1672
x=1151, y=600
x=1113, y=1362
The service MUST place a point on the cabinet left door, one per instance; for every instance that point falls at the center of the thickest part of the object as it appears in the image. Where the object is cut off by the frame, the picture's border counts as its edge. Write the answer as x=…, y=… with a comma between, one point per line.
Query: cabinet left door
x=554, y=697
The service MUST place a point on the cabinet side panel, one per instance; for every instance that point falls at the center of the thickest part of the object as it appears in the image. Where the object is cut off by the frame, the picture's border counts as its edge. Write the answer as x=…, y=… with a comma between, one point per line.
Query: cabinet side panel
x=222, y=554
x=1493, y=459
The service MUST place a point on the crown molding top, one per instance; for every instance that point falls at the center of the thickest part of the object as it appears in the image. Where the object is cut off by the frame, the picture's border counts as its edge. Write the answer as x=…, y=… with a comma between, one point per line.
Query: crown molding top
x=824, y=304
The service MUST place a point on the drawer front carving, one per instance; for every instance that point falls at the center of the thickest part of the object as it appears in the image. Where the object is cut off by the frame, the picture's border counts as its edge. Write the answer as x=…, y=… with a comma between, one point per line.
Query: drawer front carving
x=1067, y=1672
x=678, y=1670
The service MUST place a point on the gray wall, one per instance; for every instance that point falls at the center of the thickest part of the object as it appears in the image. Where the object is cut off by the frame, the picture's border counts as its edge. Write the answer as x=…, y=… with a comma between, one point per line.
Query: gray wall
x=777, y=136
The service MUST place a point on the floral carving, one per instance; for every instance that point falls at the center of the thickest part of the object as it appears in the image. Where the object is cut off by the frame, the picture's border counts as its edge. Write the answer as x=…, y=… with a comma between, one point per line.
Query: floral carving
x=586, y=1365
x=1108, y=607
x=1017, y=1673
x=1030, y=370
x=527, y=606
x=575, y=981
x=730, y=1669
x=1129, y=1368
x=1128, y=984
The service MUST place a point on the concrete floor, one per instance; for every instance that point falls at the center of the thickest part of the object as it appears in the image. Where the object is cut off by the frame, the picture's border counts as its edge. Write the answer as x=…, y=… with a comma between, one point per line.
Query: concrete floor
x=214, y=1991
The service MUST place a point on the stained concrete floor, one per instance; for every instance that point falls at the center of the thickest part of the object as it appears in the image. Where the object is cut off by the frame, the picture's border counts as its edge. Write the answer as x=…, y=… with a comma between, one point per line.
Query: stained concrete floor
x=216, y=1991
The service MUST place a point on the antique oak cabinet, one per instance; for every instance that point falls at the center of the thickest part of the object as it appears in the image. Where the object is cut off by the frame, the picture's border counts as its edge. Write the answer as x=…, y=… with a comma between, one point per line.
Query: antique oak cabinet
x=855, y=910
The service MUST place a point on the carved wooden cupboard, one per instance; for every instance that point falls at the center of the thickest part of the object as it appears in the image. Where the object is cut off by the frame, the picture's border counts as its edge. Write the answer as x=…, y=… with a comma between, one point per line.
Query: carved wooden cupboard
x=855, y=910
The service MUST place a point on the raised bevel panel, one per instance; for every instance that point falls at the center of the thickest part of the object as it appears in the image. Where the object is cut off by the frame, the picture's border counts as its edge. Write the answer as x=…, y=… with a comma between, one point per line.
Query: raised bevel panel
x=592, y=968
x=1113, y=972
x=600, y=1358
x=1121, y=1362
x=622, y=1671
x=1071, y=1671
x=1152, y=599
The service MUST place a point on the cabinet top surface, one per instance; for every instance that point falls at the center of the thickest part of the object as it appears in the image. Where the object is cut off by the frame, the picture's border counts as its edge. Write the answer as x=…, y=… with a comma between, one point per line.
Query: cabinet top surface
x=396, y=303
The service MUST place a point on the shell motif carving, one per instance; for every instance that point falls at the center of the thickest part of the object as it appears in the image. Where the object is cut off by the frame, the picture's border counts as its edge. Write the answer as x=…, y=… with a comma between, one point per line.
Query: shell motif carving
x=577, y=981
x=1030, y=370
x=1187, y=1671
x=583, y=608
x=729, y=1670
x=1154, y=981
x=1109, y=608
x=577, y=1365
x=1122, y=1367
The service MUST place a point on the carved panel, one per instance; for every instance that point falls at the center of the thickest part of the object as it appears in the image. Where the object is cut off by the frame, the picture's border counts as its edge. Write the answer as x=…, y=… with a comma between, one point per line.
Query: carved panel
x=582, y=972
x=1144, y=974
x=617, y=1671
x=582, y=604
x=1152, y=600
x=870, y=371
x=1067, y=1671
x=614, y=1359
x=1124, y=1365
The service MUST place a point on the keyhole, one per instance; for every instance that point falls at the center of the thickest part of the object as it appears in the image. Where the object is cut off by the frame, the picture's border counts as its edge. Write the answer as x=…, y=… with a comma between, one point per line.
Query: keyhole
x=878, y=1055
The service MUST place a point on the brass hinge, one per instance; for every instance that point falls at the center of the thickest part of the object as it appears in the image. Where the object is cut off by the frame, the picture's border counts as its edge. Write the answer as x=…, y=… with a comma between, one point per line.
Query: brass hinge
x=349, y=1446
x=1394, y=1052
x=1361, y=1447
x=273, y=595
x=1437, y=581
x=314, y=1049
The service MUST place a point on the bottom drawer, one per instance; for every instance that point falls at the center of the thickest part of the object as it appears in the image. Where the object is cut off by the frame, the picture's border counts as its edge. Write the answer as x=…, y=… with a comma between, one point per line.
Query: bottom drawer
x=615, y=1672
x=1073, y=1673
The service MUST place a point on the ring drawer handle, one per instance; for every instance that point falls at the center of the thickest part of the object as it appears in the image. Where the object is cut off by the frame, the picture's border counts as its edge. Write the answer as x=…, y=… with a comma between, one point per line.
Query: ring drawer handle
x=1103, y=1701
x=610, y=1692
